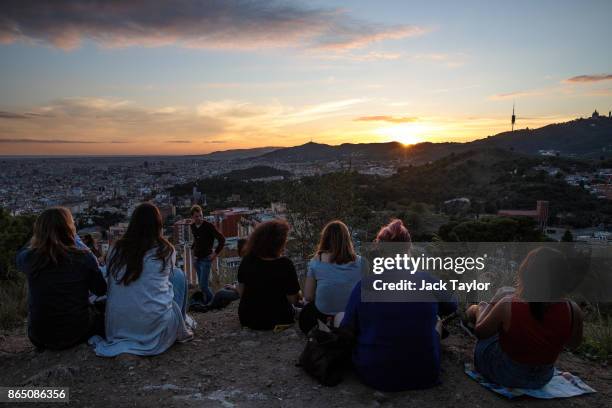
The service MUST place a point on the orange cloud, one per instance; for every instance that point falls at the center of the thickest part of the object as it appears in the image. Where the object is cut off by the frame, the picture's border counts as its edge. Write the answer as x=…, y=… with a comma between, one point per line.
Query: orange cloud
x=515, y=95
x=384, y=118
x=589, y=78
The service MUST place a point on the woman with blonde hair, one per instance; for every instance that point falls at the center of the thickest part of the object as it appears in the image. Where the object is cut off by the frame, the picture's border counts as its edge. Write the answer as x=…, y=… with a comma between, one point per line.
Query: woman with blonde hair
x=332, y=274
x=60, y=275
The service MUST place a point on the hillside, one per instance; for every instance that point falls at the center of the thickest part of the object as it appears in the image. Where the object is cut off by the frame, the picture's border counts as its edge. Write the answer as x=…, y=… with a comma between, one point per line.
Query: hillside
x=589, y=138
x=255, y=172
x=237, y=154
x=226, y=366
x=322, y=152
x=580, y=138
x=493, y=179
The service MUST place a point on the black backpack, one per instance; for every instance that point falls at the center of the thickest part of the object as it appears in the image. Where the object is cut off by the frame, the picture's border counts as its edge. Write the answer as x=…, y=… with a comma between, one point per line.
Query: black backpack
x=327, y=354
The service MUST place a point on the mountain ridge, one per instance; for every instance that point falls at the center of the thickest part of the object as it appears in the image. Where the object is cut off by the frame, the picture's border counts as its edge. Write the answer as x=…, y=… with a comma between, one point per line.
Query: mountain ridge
x=582, y=138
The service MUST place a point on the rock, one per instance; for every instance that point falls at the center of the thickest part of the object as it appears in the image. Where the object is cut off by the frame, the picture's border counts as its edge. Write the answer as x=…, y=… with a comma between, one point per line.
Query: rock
x=168, y=387
x=58, y=375
x=380, y=397
x=249, y=343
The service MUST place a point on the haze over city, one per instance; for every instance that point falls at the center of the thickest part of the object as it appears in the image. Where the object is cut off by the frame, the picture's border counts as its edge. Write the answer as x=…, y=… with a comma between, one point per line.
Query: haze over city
x=123, y=79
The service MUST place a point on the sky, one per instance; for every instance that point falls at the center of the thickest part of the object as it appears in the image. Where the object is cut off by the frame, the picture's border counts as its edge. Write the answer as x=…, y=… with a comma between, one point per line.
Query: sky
x=194, y=76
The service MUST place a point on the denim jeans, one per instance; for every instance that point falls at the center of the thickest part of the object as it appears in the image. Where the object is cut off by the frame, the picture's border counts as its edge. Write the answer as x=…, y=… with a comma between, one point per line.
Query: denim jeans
x=203, y=266
x=179, y=286
x=491, y=361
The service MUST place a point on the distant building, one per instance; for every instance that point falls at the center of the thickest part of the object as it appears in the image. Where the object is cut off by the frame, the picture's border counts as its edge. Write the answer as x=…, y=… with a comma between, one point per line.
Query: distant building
x=549, y=153
x=602, y=191
x=457, y=205
x=234, y=198
x=116, y=231
x=540, y=214
x=248, y=222
x=595, y=114
x=167, y=211
x=181, y=232
x=227, y=220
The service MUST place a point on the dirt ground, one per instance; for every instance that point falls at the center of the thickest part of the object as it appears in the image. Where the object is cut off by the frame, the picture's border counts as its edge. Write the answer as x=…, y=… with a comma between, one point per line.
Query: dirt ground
x=226, y=366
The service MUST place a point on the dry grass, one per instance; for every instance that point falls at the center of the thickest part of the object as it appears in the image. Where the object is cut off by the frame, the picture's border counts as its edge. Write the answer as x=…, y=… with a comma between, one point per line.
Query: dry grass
x=13, y=303
x=597, y=340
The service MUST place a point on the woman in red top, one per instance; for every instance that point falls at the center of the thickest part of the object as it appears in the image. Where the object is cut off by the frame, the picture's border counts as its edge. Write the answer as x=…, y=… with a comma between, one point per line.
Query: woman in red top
x=521, y=335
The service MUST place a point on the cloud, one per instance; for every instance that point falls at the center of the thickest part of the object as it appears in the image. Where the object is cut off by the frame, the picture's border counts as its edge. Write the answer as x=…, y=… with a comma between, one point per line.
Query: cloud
x=53, y=141
x=363, y=57
x=232, y=109
x=452, y=60
x=211, y=24
x=383, y=118
x=86, y=124
x=12, y=115
x=588, y=78
x=516, y=95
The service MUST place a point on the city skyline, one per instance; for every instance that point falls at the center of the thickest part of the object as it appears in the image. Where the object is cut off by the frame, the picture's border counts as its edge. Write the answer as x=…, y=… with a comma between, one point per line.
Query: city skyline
x=192, y=77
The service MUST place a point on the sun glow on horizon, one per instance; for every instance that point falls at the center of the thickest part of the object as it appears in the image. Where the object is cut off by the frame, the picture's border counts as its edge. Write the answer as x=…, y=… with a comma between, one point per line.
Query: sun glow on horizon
x=406, y=133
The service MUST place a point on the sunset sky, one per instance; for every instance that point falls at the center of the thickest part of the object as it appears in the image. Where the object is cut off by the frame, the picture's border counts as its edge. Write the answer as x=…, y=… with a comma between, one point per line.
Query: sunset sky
x=194, y=76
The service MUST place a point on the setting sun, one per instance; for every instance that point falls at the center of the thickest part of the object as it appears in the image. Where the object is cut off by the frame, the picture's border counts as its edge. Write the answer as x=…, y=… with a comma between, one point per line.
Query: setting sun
x=406, y=133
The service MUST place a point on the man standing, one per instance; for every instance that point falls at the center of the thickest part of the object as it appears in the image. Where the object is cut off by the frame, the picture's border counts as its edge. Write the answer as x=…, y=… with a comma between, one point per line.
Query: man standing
x=204, y=235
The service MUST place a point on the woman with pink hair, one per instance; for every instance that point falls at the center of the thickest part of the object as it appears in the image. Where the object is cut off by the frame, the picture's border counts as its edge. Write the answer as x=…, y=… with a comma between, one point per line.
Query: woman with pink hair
x=394, y=335
x=394, y=231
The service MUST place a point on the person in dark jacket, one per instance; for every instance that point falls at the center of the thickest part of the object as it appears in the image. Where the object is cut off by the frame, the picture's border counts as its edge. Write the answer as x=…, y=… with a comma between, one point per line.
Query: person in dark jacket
x=204, y=236
x=60, y=277
x=398, y=343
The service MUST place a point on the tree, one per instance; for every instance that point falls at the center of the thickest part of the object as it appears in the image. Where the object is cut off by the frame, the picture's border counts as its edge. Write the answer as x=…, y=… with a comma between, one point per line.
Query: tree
x=314, y=201
x=14, y=233
x=491, y=229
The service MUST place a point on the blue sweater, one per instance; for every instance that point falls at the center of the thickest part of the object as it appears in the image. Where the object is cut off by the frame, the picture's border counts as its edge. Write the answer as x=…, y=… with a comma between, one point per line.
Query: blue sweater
x=398, y=347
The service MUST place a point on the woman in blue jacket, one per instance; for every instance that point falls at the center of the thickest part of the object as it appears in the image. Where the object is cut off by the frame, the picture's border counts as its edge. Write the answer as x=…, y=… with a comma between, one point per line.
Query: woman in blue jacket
x=398, y=343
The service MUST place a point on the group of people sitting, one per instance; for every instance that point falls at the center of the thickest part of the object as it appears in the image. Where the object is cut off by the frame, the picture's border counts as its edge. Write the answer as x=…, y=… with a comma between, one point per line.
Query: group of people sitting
x=397, y=343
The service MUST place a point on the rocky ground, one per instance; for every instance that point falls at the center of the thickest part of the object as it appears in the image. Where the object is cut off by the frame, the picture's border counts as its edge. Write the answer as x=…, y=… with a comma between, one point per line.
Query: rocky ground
x=226, y=366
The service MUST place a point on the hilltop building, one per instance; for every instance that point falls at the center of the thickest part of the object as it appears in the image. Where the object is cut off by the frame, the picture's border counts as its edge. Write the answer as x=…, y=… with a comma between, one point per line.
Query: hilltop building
x=540, y=214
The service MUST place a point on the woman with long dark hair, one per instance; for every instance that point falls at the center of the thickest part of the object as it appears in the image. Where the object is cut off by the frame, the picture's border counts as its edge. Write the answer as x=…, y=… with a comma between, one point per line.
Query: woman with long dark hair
x=143, y=315
x=332, y=274
x=267, y=281
x=522, y=334
x=60, y=277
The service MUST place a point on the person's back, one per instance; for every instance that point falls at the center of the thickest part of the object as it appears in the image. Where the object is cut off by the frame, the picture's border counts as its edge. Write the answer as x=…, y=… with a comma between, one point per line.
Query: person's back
x=142, y=318
x=398, y=346
x=60, y=276
x=266, y=283
x=521, y=336
x=143, y=312
x=534, y=342
x=334, y=283
x=59, y=312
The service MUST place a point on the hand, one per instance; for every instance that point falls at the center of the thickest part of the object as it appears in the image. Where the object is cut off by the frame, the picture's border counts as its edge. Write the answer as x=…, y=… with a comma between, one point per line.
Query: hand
x=212, y=256
x=502, y=293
